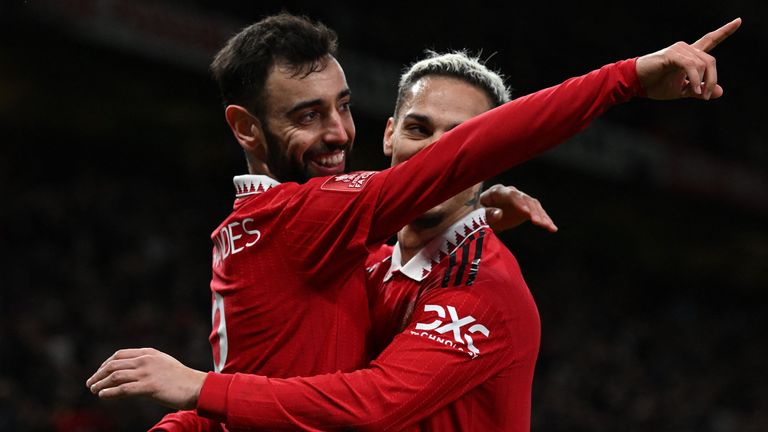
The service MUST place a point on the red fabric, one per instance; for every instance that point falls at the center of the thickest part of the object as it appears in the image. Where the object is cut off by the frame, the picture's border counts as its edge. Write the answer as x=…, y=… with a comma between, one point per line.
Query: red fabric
x=376, y=256
x=294, y=302
x=187, y=421
x=428, y=373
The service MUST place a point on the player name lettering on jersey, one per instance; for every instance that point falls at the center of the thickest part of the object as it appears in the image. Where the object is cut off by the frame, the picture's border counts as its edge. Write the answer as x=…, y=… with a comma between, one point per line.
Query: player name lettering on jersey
x=455, y=327
x=234, y=238
x=352, y=182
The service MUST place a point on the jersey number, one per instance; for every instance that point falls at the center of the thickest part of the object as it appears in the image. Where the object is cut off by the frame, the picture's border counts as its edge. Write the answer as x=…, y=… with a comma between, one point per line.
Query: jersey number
x=219, y=336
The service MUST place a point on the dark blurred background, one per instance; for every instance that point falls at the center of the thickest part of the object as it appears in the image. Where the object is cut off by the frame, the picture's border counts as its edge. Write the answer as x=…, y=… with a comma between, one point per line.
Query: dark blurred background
x=116, y=165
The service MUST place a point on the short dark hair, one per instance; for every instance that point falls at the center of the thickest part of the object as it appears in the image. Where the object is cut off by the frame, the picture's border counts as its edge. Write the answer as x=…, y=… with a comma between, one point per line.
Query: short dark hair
x=242, y=67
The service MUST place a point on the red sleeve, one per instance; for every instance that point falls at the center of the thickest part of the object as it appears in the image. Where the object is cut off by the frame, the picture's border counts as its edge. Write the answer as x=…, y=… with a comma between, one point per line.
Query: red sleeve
x=420, y=372
x=186, y=421
x=415, y=368
x=495, y=141
x=359, y=211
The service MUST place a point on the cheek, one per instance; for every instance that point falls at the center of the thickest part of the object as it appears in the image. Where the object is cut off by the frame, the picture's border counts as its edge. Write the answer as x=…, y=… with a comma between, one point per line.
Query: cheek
x=404, y=152
x=298, y=144
x=409, y=149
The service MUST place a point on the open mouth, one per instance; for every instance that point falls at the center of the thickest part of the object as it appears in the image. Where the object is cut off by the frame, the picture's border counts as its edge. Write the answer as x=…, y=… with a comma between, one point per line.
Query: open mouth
x=330, y=163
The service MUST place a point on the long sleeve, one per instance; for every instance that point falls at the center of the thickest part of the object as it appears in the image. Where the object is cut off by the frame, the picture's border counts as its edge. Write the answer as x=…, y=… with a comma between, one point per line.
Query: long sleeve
x=326, y=218
x=456, y=341
x=496, y=141
x=375, y=398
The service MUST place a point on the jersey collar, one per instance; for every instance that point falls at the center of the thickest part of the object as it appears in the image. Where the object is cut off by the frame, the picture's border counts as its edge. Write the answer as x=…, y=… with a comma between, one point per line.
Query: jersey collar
x=251, y=184
x=438, y=248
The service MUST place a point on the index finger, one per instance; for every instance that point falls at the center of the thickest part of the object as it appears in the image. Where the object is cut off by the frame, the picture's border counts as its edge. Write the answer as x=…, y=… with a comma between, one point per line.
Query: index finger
x=125, y=353
x=713, y=38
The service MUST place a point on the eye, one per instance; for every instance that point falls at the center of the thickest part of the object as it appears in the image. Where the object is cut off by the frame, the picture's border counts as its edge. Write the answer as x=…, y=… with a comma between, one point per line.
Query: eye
x=417, y=130
x=308, y=117
x=345, y=106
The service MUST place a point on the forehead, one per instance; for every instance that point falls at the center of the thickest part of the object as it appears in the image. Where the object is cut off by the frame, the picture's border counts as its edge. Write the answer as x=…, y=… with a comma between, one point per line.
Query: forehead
x=284, y=90
x=445, y=98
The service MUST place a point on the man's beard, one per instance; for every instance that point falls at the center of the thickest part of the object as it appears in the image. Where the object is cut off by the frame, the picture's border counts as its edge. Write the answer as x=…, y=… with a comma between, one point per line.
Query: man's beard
x=283, y=167
x=280, y=164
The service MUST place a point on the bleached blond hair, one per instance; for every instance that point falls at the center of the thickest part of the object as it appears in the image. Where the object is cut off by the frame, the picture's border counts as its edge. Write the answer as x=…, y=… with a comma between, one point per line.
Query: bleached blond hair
x=455, y=64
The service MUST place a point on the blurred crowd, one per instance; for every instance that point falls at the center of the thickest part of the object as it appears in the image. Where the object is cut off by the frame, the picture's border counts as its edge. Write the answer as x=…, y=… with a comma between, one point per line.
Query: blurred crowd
x=93, y=268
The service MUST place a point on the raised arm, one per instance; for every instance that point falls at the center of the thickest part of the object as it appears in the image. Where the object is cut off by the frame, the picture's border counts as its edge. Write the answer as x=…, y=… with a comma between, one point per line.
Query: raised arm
x=496, y=141
x=518, y=130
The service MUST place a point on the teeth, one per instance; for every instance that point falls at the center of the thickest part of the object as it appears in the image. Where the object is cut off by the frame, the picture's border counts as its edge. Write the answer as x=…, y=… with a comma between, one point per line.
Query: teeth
x=330, y=160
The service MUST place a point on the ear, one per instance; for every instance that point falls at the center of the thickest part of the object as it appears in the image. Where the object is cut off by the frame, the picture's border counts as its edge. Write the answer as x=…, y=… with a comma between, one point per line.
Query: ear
x=388, y=132
x=247, y=130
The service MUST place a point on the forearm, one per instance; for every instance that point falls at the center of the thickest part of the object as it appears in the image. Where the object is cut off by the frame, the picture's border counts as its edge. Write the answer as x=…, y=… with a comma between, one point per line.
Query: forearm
x=387, y=396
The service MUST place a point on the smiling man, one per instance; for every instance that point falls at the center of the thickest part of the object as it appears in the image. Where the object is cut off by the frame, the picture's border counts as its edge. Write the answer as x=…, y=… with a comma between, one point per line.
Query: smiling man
x=303, y=127
x=288, y=286
x=289, y=262
x=289, y=283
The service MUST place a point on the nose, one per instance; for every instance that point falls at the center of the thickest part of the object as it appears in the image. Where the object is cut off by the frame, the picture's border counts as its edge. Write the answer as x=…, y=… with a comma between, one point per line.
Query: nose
x=335, y=130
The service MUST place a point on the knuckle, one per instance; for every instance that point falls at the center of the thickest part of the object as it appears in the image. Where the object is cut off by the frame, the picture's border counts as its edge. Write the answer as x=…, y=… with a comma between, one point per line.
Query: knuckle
x=118, y=375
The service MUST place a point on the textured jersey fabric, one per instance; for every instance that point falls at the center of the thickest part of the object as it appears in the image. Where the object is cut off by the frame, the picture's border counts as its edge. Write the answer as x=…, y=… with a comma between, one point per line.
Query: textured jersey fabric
x=462, y=334
x=297, y=294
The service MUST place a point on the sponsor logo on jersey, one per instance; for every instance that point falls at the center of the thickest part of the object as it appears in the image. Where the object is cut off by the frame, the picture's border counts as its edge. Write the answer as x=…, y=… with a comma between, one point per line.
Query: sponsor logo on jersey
x=352, y=182
x=461, y=337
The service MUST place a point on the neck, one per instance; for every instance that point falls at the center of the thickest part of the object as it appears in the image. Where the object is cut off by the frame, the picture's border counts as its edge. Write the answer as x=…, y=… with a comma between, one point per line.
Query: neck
x=412, y=238
x=257, y=166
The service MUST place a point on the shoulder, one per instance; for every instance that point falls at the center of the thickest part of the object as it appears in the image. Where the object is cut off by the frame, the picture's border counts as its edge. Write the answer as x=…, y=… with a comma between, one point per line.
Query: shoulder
x=377, y=256
x=352, y=182
x=483, y=278
x=478, y=259
x=327, y=195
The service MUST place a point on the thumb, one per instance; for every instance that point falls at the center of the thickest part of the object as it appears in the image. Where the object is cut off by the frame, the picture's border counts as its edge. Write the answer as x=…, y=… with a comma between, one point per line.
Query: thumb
x=493, y=215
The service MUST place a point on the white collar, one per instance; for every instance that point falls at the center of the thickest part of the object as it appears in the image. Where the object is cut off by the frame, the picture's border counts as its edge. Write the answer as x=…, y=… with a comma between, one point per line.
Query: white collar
x=251, y=184
x=438, y=248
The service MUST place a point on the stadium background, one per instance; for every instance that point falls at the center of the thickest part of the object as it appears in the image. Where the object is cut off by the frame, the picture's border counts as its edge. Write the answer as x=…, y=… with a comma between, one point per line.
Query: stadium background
x=115, y=165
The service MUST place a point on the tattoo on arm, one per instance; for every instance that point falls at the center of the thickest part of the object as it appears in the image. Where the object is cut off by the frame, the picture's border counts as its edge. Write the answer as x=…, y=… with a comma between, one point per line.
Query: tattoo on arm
x=475, y=200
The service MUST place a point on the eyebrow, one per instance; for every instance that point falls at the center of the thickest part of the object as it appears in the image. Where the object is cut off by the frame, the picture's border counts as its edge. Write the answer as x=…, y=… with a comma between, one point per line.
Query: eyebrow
x=418, y=117
x=314, y=102
x=425, y=119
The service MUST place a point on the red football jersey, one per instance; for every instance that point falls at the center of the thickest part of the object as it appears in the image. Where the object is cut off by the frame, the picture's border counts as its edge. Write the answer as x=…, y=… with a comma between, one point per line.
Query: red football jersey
x=289, y=263
x=463, y=358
